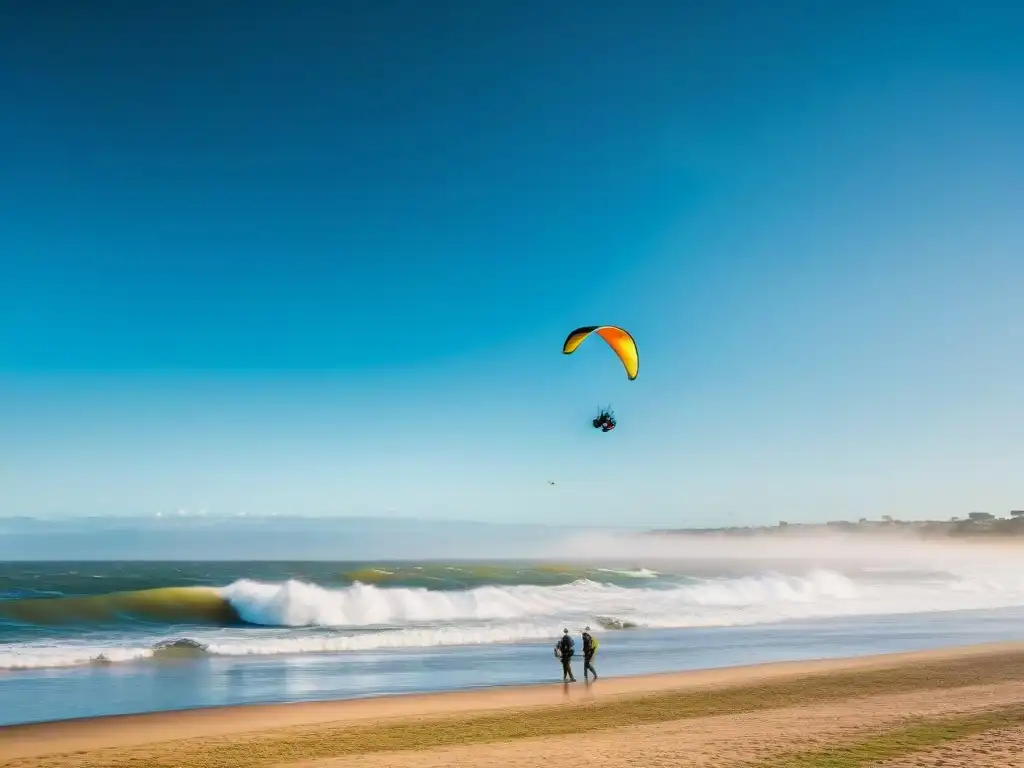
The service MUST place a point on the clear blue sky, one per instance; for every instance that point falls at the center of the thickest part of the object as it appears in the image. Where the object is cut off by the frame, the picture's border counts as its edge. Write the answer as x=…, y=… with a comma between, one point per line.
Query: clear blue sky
x=320, y=257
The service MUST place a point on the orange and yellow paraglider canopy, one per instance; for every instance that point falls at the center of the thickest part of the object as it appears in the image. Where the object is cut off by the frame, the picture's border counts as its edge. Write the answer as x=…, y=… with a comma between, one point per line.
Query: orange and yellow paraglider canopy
x=617, y=338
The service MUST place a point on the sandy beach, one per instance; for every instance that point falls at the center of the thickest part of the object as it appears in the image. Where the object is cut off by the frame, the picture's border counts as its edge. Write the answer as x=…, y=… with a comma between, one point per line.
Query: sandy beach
x=953, y=707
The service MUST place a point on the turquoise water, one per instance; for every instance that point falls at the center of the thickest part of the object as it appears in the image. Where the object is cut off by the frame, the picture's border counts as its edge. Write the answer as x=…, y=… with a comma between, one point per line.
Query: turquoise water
x=80, y=639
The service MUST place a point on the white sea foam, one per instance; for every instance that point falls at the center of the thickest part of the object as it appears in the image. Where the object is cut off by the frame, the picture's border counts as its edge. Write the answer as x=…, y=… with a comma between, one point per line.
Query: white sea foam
x=31, y=656
x=637, y=573
x=707, y=602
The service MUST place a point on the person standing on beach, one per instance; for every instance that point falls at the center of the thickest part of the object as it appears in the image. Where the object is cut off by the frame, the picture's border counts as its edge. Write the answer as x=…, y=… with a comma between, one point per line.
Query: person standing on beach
x=564, y=649
x=589, y=649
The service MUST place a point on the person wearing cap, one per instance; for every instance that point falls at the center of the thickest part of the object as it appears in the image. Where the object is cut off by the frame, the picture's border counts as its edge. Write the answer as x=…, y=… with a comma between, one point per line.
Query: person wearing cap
x=589, y=649
x=564, y=649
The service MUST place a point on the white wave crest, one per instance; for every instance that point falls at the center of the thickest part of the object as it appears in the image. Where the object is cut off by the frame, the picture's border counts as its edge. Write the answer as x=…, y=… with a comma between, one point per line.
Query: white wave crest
x=708, y=602
x=298, y=604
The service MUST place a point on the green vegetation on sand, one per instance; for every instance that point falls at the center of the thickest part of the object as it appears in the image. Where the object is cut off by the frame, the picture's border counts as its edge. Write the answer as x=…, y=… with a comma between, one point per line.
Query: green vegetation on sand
x=303, y=743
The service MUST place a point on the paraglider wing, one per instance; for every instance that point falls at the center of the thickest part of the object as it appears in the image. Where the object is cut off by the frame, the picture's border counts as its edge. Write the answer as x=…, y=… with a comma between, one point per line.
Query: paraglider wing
x=617, y=338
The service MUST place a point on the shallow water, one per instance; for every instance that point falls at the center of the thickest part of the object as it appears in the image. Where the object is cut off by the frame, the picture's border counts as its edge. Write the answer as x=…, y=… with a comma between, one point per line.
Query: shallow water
x=167, y=684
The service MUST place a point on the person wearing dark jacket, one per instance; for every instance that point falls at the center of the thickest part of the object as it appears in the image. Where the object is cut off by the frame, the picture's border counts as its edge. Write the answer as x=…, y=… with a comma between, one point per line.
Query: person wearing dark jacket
x=589, y=649
x=564, y=649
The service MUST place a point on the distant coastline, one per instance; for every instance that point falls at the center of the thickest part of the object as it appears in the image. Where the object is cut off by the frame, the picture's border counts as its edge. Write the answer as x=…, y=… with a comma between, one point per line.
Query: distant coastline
x=976, y=525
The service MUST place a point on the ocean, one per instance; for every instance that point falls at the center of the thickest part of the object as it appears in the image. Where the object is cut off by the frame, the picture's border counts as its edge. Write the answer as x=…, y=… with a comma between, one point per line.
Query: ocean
x=96, y=638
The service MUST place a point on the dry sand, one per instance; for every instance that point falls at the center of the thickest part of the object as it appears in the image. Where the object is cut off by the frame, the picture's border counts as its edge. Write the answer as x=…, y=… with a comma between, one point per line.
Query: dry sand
x=950, y=708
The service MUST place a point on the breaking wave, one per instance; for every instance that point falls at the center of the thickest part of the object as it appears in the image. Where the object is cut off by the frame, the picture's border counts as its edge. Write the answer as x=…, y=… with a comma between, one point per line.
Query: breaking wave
x=250, y=617
x=167, y=605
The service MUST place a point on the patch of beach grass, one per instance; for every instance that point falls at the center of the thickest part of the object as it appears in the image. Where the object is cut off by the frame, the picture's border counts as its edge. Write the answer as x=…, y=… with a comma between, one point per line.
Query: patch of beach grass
x=302, y=743
x=904, y=741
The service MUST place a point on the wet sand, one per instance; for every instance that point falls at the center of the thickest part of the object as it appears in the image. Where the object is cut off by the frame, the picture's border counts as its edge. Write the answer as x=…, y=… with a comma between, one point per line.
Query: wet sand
x=952, y=707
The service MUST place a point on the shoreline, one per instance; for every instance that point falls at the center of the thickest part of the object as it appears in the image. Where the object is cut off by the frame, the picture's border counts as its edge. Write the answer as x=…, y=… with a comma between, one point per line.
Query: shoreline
x=221, y=724
x=167, y=685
